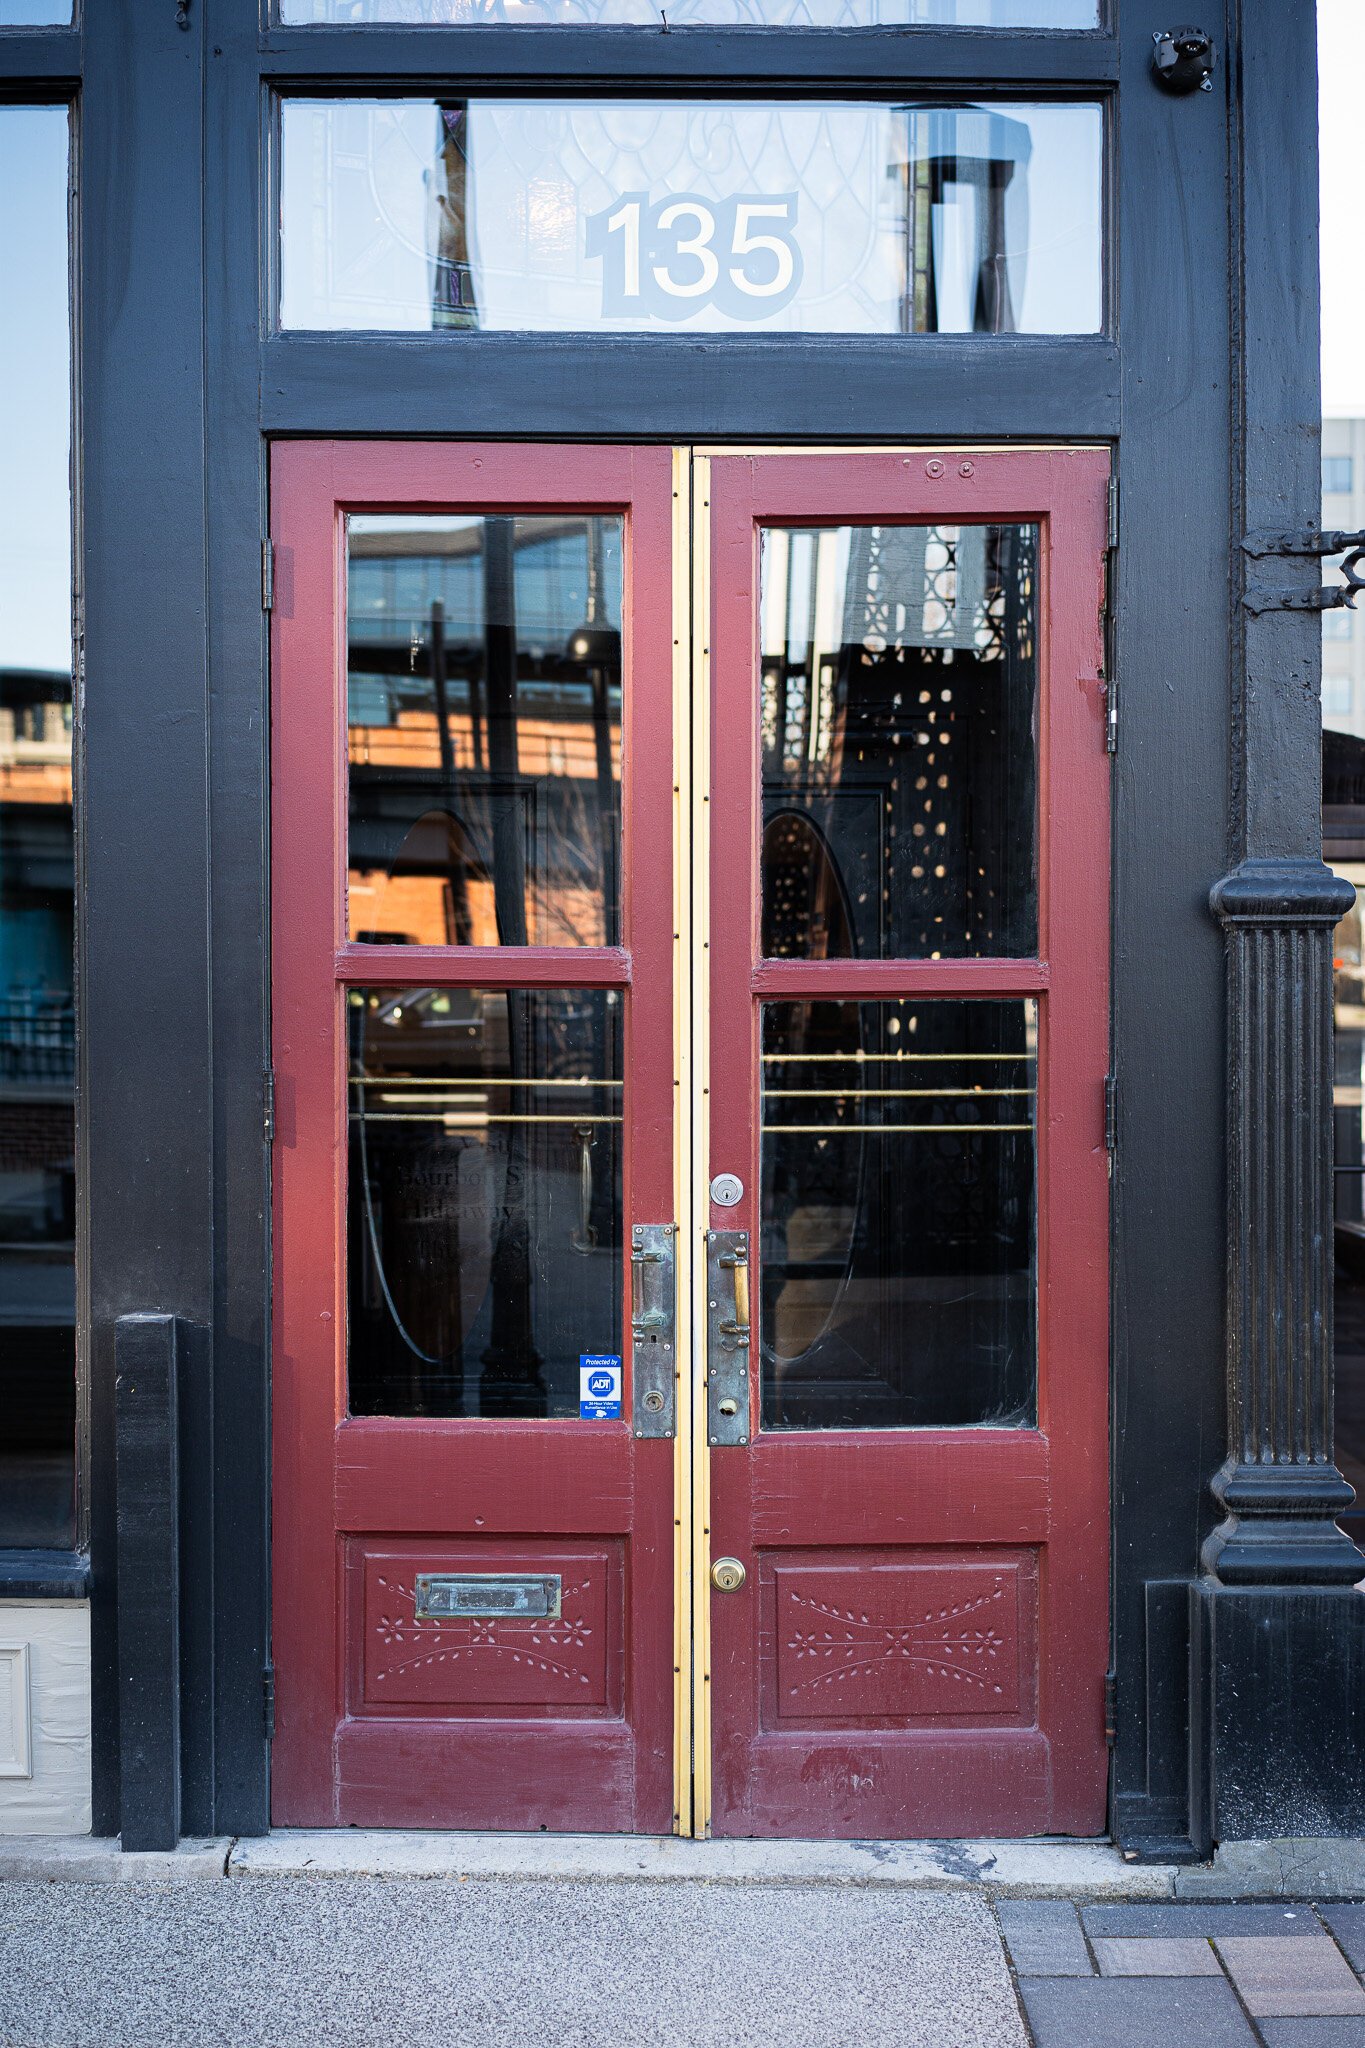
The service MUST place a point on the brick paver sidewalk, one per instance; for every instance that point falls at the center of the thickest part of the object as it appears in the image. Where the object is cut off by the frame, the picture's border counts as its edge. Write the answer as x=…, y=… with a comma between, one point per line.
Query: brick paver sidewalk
x=1188, y=1976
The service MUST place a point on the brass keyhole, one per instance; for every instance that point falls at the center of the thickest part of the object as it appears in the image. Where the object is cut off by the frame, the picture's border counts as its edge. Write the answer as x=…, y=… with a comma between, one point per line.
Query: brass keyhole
x=727, y=1575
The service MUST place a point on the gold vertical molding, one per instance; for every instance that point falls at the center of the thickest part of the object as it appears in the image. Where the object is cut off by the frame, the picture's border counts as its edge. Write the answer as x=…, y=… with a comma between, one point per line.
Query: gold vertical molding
x=683, y=1139
x=697, y=1212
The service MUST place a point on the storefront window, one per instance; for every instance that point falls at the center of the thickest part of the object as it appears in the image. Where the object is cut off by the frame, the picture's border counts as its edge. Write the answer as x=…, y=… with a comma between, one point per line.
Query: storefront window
x=815, y=218
x=37, y=1018
x=35, y=13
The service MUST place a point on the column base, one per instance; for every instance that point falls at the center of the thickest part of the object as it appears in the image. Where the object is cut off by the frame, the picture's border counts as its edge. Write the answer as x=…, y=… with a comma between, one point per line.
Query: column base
x=1279, y=1711
x=1279, y=1529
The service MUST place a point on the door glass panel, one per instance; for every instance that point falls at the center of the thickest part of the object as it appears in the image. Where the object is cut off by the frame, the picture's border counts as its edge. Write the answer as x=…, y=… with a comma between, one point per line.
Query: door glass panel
x=484, y=705
x=704, y=13
x=822, y=217
x=899, y=682
x=484, y=1201
x=897, y=1261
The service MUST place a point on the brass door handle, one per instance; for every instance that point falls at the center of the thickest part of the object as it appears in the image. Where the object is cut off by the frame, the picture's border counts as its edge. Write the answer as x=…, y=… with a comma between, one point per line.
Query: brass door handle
x=737, y=1263
x=727, y=1336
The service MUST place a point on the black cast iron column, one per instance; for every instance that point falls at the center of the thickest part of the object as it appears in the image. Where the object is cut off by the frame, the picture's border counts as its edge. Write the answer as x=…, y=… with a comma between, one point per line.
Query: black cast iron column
x=1278, y=1640
x=1279, y=1487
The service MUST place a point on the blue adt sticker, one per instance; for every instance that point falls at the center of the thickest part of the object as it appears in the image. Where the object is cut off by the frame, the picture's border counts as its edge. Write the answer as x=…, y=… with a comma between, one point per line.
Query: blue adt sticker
x=599, y=1386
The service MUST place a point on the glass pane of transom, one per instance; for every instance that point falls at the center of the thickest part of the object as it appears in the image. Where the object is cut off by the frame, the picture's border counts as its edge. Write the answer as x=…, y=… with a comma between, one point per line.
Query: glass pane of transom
x=484, y=1209
x=699, y=13
x=484, y=708
x=897, y=1251
x=898, y=690
x=814, y=217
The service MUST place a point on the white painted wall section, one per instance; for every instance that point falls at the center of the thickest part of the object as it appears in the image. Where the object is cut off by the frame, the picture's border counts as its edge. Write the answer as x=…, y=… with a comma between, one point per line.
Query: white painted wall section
x=44, y=1717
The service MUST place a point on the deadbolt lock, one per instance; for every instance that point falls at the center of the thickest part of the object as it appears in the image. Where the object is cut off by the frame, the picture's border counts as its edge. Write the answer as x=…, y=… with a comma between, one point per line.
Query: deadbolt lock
x=727, y=1575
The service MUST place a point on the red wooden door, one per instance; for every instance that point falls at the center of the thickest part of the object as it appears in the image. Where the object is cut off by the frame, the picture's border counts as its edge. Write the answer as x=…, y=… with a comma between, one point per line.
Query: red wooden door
x=473, y=1044
x=908, y=1026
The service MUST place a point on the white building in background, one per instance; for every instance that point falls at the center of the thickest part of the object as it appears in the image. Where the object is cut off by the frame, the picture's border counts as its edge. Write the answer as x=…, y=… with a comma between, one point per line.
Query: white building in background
x=1343, y=632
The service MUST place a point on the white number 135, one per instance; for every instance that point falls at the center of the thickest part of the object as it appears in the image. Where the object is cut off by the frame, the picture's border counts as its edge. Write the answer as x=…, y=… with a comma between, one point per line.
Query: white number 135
x=669, y=258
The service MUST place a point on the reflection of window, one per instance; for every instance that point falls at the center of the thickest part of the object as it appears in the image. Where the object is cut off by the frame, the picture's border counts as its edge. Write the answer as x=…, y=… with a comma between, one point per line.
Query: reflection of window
x=37, y=1011
x=1337, y=696
x=1337, y=625
x=1336, y=474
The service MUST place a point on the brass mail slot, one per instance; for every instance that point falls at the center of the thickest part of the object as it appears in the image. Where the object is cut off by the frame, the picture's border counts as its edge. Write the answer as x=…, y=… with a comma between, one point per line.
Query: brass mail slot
x=487, y=1595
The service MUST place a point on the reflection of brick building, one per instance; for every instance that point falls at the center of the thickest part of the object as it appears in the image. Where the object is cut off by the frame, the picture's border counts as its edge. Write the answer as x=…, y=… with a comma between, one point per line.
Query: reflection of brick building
x=37, y=1070
x=485, y=700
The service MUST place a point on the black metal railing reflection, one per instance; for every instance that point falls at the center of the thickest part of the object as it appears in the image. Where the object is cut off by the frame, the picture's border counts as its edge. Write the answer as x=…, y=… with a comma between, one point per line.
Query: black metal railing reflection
x=38, y=1044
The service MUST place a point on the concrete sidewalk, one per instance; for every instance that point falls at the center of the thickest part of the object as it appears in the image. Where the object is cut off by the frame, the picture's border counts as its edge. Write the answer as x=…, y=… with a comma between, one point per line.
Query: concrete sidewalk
x=349, y=1939
x=465, y=1964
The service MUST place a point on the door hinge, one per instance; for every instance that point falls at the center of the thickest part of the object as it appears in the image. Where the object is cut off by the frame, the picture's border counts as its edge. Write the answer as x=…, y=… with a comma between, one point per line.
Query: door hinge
x=268, y=1701
x=267, y=575
x=1314, y=545
x=1111, y=716
x=1111, y=1708
x=268, y=1093
x=1111, y=1113
x=1112, y=539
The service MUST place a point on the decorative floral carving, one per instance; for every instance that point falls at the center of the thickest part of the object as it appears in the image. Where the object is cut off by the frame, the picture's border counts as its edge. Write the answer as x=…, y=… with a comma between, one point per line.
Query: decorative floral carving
x=544, y=1646
x=846, y=1643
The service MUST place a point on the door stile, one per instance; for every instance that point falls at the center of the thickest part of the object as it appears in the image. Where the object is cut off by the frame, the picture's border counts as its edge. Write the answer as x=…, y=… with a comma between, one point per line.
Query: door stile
x=697, y=1213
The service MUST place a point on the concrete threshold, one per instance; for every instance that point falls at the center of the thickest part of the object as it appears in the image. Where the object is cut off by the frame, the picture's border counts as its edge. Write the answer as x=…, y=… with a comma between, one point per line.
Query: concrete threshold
x=1011, y=1869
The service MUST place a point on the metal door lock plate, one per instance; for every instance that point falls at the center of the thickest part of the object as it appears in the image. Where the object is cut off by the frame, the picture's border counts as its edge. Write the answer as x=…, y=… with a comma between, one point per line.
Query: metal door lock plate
x=728, y=1575
x=727, y=1336
x=653, y=1332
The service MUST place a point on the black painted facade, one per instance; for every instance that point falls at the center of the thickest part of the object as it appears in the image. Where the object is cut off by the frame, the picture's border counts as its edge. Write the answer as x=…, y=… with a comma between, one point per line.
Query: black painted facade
x=1237, y=1631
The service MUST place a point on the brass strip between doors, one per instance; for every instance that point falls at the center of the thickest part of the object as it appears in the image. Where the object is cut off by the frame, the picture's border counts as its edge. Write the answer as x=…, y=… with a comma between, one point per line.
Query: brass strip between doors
x=682, y=1142
x=698, y=1211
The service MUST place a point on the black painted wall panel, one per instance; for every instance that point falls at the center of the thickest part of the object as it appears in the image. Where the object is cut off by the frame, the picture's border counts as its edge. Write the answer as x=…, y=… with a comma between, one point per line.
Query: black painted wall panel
x=1170, y=843
x=148, y=1054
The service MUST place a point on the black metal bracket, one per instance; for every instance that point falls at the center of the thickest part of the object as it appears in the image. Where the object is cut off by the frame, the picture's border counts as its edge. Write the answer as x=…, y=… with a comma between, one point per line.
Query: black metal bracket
x=1311, y=543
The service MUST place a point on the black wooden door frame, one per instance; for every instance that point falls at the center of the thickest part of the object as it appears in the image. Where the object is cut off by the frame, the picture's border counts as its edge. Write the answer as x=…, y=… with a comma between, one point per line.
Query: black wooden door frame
x=181, y=383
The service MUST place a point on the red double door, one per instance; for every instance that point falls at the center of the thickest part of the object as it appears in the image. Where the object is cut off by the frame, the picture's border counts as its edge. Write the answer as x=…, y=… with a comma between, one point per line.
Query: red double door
x=690, y=938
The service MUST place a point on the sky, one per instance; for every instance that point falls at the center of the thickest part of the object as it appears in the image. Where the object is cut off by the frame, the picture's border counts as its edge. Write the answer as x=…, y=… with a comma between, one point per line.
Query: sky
x=1341, y=63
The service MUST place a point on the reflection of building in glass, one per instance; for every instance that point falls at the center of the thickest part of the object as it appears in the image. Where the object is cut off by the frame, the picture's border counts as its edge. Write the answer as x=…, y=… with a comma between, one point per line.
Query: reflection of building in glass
x=1343, y=631
x=485, y=730
x=773, y=216
x=898, y=690
x=1343, y=831
x=37, y=1134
